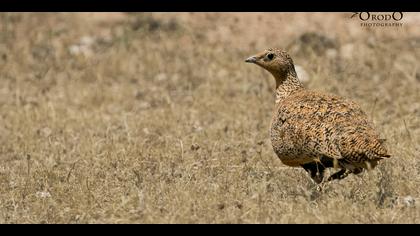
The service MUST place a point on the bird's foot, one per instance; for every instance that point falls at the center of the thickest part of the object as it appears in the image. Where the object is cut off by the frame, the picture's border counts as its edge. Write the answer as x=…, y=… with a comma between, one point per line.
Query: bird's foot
x=343, y=173
x=318, y=178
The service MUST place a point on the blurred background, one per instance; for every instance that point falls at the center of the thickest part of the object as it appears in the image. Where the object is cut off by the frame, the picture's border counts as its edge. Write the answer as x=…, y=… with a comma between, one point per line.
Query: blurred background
x=155, y=117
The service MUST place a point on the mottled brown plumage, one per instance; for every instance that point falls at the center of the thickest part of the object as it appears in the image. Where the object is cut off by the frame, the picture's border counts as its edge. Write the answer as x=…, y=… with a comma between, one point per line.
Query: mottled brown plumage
x=315, y=130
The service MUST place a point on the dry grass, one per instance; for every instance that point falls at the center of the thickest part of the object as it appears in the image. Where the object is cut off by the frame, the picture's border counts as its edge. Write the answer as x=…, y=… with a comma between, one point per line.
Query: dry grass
x=155, y=118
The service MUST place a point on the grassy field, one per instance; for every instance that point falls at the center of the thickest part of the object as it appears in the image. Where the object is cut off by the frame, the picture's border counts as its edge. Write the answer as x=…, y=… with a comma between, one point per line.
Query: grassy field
x=155, y=118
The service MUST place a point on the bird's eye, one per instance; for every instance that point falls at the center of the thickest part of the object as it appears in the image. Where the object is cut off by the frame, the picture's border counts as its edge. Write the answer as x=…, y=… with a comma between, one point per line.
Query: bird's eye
x=270, y=56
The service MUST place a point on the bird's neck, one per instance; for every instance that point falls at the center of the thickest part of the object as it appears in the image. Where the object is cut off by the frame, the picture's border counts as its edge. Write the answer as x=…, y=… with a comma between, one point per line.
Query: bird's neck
x=286, y=84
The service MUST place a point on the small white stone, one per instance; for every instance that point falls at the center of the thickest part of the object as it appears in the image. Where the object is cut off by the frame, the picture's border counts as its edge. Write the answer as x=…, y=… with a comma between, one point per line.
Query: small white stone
x=409, y=201
x=331, y=53
x=13, y=184
x=197, y=127
x=74, y=49
x=86, y=40
x=347, y=51
x=46, y=132
x=83, y=47
x=144, y=105
x=43, y=194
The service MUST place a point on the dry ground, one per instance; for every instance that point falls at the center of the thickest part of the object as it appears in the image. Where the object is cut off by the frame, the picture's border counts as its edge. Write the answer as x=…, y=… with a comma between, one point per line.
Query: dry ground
x=155, y=118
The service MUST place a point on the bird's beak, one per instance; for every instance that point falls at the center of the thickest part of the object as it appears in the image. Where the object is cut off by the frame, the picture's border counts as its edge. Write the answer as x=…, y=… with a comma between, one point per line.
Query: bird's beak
x=252, y=59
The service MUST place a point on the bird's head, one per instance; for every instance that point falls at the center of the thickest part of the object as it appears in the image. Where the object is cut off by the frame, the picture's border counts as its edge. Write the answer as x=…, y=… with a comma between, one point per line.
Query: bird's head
x=274, y=60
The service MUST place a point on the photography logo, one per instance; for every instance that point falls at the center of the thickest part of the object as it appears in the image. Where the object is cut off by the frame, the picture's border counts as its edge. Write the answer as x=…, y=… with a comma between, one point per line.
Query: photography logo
x=371, y=19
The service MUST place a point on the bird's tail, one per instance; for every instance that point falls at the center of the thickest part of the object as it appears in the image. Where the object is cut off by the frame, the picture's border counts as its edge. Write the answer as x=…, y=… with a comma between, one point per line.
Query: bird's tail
x=378, y=151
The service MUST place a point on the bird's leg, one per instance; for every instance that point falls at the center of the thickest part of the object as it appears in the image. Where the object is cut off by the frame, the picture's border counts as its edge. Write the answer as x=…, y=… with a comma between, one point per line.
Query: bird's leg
x=338, y=175
x=327, y=162
x=357, y=171
x=315, y=170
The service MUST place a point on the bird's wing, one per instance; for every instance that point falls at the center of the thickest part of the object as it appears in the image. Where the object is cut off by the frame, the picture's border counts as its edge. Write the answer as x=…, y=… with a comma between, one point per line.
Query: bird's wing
x=332, y=126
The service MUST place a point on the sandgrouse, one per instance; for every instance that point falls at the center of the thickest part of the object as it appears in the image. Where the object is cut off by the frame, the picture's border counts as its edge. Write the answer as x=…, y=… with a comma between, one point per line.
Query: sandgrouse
x=314, y=130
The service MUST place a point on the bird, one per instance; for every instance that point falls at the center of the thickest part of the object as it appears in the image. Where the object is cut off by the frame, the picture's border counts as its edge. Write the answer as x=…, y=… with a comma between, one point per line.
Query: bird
x=316, y=130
